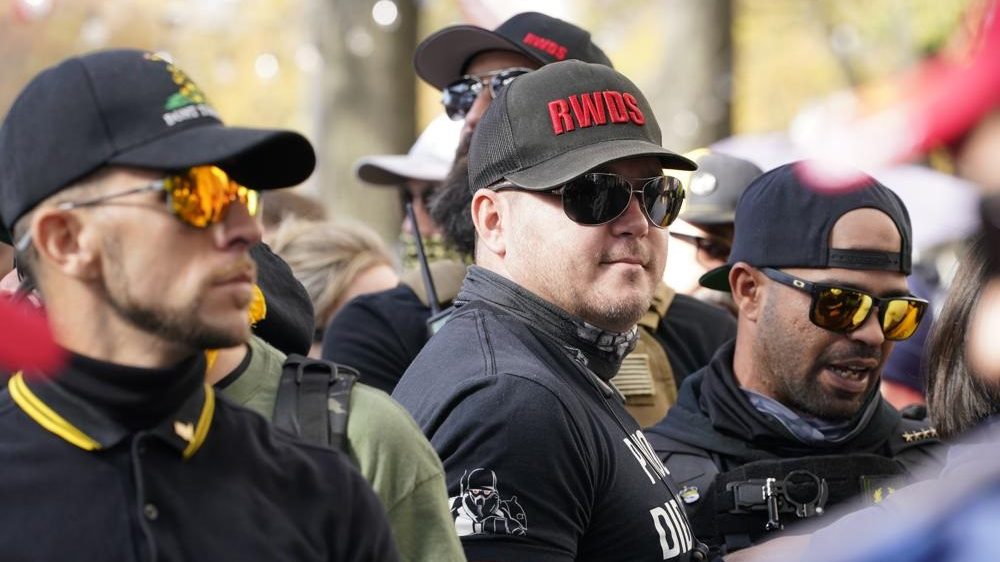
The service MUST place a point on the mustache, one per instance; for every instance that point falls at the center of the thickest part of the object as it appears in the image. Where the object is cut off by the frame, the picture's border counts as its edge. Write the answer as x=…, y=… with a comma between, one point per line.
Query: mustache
x=243, y=266
x=631, y=249
x=855, y=350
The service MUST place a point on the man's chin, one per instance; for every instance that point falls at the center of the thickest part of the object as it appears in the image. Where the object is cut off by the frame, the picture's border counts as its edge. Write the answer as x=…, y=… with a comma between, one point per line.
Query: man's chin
x=214, y=334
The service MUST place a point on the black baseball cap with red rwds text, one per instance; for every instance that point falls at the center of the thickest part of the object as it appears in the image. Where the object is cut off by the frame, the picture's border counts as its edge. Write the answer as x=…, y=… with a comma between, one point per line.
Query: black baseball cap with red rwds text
x=561, y=121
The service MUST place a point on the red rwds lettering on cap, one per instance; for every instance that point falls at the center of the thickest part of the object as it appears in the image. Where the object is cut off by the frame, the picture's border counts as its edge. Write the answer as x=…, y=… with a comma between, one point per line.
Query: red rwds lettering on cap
x=546, y=45
x=594, y=109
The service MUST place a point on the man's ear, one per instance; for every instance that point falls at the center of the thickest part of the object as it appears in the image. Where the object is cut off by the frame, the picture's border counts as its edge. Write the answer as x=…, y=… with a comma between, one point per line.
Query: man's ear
x=745, y=281
x=488, y=214
x=65, y=243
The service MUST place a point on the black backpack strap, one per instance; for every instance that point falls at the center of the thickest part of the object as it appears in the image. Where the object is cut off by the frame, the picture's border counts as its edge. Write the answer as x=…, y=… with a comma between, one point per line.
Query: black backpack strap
x=313, y=400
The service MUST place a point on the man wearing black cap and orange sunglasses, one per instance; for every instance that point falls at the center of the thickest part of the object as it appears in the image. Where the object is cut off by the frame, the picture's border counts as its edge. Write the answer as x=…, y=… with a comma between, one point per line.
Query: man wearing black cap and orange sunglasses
x=133, y=210
x=787, y=420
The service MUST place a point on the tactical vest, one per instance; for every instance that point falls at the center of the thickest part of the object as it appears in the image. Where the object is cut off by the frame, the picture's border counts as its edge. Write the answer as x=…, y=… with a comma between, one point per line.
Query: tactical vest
x=645, y=378
x=744, y=505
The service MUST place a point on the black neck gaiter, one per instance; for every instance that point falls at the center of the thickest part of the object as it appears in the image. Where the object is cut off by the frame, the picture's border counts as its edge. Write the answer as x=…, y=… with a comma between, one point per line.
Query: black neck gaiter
x=600, y=350
x=134, y=397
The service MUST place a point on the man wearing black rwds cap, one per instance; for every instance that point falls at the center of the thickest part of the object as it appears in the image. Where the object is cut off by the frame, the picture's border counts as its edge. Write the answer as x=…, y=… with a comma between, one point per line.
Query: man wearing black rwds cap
x=541, y=458
x=470, y=65
x=787, y=420
x=120, y=185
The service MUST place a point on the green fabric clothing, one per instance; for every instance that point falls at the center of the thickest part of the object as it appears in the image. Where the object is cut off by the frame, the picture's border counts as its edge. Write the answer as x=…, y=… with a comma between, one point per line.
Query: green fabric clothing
x=389, y=450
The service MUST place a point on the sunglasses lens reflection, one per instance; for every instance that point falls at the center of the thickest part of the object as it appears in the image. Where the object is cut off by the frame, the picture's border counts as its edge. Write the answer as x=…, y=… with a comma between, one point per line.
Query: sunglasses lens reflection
x=593, y=199
x=844, y=310
x=901, y=318
x=841, y=310
x=200, y=196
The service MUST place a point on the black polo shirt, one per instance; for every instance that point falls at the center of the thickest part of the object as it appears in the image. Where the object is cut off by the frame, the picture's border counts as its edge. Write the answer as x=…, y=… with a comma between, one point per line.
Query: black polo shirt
x=113, y=463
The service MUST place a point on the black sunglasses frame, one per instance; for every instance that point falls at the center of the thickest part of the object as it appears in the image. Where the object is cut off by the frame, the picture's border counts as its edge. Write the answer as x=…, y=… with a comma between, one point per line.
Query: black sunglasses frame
x=674, y=191
x=457, y=103
x=814, y=290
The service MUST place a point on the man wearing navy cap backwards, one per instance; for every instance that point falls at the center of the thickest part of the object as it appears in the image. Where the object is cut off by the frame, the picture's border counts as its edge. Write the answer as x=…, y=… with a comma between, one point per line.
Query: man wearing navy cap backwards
x=132, y=207
x=542, y=460
x=787, y=419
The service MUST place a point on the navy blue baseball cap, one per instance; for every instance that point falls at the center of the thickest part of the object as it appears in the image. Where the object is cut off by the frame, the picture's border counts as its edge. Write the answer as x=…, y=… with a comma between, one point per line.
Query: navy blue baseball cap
x=782, y=222
x=131, y=108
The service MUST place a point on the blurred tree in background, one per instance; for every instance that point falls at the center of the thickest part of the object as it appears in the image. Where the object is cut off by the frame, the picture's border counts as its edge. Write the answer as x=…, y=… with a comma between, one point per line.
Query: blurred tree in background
x=340, y=70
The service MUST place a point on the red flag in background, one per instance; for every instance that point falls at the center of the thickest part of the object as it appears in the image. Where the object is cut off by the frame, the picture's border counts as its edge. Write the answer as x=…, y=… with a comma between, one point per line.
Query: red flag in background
x=940, y=101
x=25, y=339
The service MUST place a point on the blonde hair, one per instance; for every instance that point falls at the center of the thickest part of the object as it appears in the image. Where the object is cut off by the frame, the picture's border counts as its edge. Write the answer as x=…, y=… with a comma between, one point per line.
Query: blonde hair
x=326, y=257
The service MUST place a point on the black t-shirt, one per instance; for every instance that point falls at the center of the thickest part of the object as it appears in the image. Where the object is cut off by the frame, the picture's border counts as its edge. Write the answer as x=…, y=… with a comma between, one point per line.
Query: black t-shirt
x=542, y=460
x=378, y=334
x=113, y=463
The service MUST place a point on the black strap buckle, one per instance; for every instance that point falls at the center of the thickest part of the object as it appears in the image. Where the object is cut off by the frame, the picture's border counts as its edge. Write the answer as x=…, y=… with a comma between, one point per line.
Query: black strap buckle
x=800, y=492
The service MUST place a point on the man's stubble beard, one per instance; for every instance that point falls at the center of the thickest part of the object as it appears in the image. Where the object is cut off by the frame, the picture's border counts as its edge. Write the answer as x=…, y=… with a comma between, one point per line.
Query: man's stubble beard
x=612, y=312
x=799, y=391
x=181, y=325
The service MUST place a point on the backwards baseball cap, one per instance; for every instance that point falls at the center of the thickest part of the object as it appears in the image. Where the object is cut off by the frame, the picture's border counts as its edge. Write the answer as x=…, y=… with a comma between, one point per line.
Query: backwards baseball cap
x=429, y=159
x=442, y=57
x=715, y=187
x=782, y=222
x=129, y=108
x=561, y=121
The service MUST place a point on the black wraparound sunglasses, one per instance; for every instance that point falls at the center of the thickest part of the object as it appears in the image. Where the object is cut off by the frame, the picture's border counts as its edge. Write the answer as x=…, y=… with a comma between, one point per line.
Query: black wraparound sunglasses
x=843, y=309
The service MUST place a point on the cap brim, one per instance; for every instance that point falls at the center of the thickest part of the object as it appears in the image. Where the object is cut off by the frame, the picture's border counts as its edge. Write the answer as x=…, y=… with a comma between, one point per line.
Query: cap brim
x=256, y=158
x=717, y=278
x=394, y=169
x=569, y=165
x=440, y=59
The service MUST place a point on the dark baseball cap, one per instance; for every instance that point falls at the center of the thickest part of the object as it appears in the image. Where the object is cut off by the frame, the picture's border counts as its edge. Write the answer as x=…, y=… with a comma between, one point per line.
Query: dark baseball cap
x=129, y=108
x=441, y=58
x=782, y=222
x=561, y=121
x=715, y=187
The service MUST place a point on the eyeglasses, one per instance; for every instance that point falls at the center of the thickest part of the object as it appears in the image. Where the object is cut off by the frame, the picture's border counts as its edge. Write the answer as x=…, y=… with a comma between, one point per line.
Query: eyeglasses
x=198, y=196
x=713, y=247
x=842, y=309
x=599, y=198
x=459, y=96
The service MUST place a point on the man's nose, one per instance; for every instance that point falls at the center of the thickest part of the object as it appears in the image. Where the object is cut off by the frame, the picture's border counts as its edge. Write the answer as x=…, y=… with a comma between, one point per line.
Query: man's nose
x=237, y=227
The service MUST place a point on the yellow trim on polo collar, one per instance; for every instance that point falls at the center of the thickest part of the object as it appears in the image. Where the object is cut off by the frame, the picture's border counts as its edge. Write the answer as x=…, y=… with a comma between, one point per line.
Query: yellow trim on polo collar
x=204, y=422
x=47, y=417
